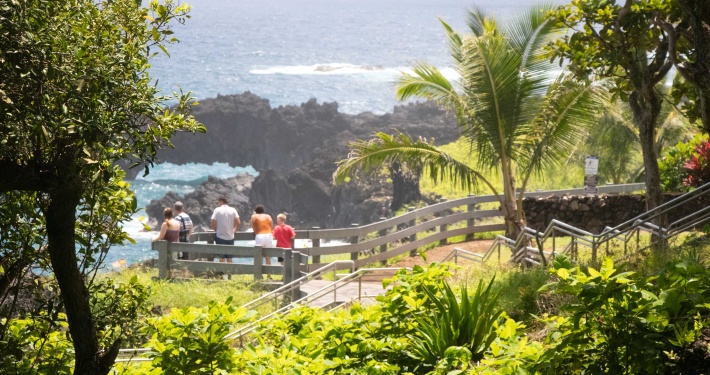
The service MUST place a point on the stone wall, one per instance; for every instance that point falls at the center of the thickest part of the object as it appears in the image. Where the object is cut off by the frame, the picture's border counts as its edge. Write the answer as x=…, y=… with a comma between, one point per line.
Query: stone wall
x=593, y=213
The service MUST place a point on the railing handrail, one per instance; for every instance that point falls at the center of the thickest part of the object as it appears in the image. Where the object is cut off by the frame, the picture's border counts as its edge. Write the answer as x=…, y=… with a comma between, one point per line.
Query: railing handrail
x=327, y=289
x=640, y=222
x=433, y=208
x=279, y=292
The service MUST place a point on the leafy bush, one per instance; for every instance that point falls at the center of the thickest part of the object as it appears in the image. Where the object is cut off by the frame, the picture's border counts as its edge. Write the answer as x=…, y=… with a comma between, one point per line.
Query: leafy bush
x=192, y=340
x=672, y=165
x=36, y=346
x=698, y=166
x=622, y=323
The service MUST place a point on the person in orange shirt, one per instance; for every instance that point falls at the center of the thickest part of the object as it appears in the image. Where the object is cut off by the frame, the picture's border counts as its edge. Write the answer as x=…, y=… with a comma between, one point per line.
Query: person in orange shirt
x=262, y=225
x=283, y=233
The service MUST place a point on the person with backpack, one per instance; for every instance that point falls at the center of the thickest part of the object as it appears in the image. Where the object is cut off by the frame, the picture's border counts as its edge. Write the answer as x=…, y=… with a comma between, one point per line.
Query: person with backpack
x=185, y=226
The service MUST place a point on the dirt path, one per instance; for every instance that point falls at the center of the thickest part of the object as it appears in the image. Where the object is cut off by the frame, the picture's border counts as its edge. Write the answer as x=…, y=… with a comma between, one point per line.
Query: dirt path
x=438, y=253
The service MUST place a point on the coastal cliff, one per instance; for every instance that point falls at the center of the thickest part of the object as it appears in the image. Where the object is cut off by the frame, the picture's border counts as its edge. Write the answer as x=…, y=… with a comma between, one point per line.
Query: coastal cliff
x=295, y=150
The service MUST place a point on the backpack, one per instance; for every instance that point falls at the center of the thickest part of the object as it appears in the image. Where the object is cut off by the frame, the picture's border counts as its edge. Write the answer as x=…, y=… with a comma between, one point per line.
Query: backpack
x=183, y=229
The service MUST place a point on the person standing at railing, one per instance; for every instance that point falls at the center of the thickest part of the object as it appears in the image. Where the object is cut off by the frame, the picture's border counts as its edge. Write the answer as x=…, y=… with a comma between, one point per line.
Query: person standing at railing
x=225, y=221
x=170, y=230
x=262, y=225
x=185, y=226
x=283, y=234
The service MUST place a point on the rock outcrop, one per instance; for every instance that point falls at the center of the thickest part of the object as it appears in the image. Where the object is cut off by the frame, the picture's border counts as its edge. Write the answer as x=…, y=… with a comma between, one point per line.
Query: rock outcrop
x=244, y=130
x=295, y=150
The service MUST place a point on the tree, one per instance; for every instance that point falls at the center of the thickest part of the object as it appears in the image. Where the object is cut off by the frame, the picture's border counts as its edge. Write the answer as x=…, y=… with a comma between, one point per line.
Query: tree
x=624, y=44
x=616, y=142
x=75, y=98
x=688, y=28
x=517, y=121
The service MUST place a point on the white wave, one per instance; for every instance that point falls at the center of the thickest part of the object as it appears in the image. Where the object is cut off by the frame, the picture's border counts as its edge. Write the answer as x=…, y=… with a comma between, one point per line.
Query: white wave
x=345, y=69
x=193, y=171
x=325, y=69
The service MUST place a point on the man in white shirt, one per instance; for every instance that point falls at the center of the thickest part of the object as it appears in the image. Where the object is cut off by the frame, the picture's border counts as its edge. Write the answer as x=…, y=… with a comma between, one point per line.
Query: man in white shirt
x=225, y=221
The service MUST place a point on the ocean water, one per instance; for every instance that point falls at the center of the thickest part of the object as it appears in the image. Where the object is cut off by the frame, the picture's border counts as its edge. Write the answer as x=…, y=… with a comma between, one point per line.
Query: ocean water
x=289, y=51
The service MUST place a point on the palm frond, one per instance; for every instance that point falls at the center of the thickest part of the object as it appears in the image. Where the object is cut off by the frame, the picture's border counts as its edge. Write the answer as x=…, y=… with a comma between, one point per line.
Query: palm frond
x=455, y=43
x=384, y=149
x=492, y=89
x=528, y=33
x=477, y=21
x=426, y=82
x=569, y=111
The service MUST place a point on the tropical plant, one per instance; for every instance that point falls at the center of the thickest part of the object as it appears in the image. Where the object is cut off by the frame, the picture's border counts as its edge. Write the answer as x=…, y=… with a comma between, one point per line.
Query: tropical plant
x=698, y=166
x=518, y=121
x=192, y=340
x=672, y=165
x=467, y=322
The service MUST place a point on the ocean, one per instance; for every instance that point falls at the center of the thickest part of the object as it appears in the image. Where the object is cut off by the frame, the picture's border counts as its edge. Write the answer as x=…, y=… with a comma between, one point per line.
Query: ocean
x=349, y=51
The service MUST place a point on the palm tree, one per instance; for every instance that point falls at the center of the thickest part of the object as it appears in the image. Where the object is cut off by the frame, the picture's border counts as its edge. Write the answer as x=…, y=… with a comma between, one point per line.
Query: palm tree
x=517, y=119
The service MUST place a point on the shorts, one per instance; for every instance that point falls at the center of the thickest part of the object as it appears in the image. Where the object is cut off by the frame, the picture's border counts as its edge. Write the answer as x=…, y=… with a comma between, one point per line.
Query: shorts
x=264, y=240
x=219, y=241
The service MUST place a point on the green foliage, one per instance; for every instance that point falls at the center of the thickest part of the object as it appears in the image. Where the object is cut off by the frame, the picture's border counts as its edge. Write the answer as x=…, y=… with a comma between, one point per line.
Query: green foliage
x=119, y=310
x=39, y=343
x=192, y=340
x=672, y=167
x=511, y=352
x=622, y=323
x=466, y=323
x=36, y=346
x=365, y=340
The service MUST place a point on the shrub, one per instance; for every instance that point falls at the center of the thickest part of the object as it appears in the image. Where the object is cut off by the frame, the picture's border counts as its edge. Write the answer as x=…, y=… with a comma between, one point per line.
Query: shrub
x=672, y=166
x=192, y=340
x=623, y=323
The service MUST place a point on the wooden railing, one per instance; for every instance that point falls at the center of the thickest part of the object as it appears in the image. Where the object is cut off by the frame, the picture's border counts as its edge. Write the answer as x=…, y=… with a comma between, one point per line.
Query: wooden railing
x=366, y=244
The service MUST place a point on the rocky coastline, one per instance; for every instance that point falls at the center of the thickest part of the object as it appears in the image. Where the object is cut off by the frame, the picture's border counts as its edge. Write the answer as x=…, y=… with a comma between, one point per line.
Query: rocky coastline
x=295, y=150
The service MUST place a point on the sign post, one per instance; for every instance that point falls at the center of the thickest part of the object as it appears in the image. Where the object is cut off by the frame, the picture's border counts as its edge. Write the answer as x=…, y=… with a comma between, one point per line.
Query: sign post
x=591, y=167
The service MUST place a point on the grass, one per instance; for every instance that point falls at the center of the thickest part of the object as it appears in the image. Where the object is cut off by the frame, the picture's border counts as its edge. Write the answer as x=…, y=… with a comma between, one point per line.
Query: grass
x=167, y=294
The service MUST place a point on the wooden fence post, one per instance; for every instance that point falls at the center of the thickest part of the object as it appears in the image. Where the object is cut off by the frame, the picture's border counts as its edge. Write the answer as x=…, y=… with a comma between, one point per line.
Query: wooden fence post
x=164, y=259
x=471, y=222
x=316, y=243
x=382, y=233
x=443, y=227
x=413, y=236
x=288, y=259
x=258, y=260
x=296, y=274
x=353, y=241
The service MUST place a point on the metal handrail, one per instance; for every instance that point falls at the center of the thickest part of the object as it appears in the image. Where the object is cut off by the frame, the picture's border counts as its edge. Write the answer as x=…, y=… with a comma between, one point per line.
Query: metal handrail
x=330, y=288
x=625, y=231
x=281, y=291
